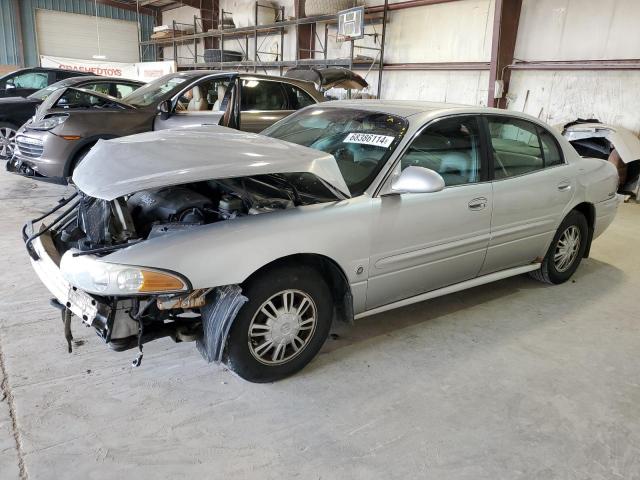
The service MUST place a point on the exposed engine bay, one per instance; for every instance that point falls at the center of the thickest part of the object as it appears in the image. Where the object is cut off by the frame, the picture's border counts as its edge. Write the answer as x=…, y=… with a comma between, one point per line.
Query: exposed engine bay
x=100, y=224
x=96, y=227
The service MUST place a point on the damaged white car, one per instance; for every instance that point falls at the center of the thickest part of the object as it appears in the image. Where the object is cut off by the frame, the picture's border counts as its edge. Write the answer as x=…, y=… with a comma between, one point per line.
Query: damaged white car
x=252, y=245
x=621, y=147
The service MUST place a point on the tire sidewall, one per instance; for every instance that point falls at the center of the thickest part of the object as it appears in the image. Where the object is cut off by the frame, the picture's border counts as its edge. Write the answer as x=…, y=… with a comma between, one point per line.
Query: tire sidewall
x=577, y=219
x=238, y=356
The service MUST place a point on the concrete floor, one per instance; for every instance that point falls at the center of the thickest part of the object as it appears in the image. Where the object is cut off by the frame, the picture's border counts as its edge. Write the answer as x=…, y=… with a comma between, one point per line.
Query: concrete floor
x=510, y=380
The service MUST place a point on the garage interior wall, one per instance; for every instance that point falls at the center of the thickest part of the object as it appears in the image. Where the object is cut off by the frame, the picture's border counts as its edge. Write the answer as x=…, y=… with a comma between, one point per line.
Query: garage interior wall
x=9, y=31
x=461, y=31
x=570, y=30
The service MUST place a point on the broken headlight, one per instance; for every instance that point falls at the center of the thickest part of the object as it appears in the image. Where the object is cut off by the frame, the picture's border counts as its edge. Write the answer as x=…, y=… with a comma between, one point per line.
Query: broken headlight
x=102, y=278
x=48, y=123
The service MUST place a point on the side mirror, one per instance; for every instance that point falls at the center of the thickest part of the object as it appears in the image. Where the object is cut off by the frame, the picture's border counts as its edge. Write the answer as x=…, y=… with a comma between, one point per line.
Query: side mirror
x=416, y=180
x=9, y=85
x=164, y=108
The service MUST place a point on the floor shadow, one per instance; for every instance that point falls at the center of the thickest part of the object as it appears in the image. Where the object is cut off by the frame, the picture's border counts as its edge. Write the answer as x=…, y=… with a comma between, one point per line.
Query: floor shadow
x=594, y=278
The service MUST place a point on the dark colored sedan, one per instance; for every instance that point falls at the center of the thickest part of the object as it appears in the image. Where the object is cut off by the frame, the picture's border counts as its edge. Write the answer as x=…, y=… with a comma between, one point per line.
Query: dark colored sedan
x=14, y=111
x=26, y=81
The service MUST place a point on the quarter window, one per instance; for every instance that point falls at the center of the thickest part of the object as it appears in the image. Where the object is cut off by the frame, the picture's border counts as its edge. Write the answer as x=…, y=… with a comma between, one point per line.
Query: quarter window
x=262, y=95
x=450, y=147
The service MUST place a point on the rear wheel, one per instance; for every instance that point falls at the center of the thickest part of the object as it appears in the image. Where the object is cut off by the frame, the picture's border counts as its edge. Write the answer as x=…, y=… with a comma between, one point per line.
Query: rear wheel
x=7, y=140
x=282, y=326
x=566, y=250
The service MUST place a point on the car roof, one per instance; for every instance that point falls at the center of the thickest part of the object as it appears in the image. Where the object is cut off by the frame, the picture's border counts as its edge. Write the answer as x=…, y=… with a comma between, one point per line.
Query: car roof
x=82, y=79
x=408, y=108
x=202, y=73
x=48, y=69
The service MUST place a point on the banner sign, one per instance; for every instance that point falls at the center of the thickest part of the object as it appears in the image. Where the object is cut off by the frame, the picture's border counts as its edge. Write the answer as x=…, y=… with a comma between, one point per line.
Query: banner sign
x=145, y=71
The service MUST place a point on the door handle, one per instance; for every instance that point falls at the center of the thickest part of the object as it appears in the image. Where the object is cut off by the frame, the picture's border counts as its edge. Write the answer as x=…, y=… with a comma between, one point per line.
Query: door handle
x=478, y=203
x=564, y=186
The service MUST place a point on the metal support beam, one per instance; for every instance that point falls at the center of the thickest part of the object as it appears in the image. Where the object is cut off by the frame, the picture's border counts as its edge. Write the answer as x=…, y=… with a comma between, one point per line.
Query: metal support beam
x=505, y=30
x=306, y=34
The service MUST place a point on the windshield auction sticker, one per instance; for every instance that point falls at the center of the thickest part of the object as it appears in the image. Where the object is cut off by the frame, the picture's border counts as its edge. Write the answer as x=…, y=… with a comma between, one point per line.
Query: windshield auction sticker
x=369, y=139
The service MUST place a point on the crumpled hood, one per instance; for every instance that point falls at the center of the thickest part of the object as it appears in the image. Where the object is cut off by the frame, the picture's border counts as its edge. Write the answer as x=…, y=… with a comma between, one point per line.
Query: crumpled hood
x=125, y=165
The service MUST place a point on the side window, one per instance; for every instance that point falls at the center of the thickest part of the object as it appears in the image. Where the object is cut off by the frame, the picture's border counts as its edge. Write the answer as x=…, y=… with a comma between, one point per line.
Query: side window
x=124, y=89
x=516, y=147
x=298, y=98
x=552, y=154
x=207, y=96
x=450, y=147
x=36, y=80
x=98, y=87
x=262, y=95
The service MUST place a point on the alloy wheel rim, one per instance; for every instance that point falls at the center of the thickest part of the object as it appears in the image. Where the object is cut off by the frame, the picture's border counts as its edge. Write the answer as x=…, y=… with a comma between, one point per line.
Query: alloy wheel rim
x=282, y=327
x=567, y=248
x=7, y=143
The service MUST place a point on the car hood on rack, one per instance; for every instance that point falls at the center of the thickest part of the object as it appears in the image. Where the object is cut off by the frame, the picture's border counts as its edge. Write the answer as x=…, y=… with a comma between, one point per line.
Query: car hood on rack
x=624, y=141
x=125, y=165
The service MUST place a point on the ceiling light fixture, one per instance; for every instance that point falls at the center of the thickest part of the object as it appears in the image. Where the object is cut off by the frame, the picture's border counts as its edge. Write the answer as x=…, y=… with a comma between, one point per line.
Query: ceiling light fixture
x=99, y=55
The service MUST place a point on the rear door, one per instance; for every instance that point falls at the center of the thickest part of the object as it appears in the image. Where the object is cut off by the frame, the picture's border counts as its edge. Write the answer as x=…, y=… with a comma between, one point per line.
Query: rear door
x=425, y=241
x=262, y=103
x=532, y=185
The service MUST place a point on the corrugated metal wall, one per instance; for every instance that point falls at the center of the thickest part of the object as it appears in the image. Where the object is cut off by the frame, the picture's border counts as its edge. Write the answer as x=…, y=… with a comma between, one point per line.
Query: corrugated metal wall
x=8, y=34
x=8, y=29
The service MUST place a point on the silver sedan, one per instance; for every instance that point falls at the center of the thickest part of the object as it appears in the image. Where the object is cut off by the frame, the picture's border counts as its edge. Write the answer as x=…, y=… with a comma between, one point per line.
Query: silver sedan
x=252, y=245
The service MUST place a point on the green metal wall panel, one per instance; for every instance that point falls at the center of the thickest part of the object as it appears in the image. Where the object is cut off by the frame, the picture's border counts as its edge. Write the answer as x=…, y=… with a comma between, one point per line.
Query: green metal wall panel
x=9, y=52
x=9, y=49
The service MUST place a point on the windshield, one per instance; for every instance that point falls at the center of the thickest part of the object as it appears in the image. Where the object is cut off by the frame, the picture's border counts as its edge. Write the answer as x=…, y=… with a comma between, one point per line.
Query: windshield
x=45, y=92
x=361, y=141
x=155, y=91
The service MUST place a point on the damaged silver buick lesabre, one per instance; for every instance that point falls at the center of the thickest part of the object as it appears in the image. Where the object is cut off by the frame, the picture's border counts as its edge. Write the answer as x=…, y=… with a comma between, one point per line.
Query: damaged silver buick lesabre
x=252, y=245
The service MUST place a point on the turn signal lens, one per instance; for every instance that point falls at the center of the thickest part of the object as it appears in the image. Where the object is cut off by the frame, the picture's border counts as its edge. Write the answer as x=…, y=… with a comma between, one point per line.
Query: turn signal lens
x=160, y=282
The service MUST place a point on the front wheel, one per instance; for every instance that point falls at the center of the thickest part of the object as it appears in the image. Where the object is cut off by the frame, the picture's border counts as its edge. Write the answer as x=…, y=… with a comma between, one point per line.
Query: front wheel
x=566, y=250
x=7, y=140
x=282, y=326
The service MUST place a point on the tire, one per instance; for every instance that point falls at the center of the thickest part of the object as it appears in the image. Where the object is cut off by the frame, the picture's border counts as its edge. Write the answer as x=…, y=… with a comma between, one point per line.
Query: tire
x=7, y=140
x=557, y=268
x=248, y=353
x=78, y=158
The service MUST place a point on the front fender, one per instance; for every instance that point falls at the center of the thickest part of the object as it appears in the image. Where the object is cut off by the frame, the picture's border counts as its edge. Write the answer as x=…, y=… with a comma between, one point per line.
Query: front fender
x=228, y=252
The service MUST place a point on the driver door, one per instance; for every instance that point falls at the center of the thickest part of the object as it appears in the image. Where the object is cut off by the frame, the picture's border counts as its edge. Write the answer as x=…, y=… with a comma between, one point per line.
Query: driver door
x=201, y=103
x=425, y=241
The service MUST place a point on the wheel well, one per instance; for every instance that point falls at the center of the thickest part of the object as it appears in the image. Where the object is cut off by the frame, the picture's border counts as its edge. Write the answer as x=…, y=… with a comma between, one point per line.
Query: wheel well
x=330, y=271
x=72, y=161
x=589, y=212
